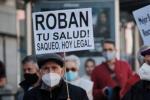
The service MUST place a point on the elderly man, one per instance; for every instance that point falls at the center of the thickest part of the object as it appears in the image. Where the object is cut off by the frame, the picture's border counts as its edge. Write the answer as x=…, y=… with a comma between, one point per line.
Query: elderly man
x=52, y=86
x=72, y=64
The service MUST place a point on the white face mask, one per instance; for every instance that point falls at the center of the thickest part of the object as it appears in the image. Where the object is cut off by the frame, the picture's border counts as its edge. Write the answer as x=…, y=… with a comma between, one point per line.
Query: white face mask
x=144, y=72
x=51, y=79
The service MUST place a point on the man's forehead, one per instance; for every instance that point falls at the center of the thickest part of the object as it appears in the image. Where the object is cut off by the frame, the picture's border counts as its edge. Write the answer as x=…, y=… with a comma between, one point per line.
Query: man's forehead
x=109, y=45
x=90, y=63
x=30, y=65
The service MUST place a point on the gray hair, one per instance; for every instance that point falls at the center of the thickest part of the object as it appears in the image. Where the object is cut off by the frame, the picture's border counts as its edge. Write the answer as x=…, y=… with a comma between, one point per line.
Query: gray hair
x=30, y=58
x=73, y=58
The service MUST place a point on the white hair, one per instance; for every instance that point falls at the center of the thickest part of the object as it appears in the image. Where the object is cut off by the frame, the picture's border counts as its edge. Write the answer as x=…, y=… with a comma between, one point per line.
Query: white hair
x=73, y=58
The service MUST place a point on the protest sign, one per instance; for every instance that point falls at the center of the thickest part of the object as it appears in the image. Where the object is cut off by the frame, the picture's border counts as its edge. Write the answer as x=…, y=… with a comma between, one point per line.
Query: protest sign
x=63, y=30
x=142, y=18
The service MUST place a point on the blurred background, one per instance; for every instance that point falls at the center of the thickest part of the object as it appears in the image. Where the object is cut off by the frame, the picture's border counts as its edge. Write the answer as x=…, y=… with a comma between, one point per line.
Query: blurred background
x=111, y=19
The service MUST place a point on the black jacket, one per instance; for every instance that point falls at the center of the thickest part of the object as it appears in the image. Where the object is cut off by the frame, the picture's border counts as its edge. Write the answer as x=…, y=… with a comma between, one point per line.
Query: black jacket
x=25, y=86
x=59, y=93
x=140, y=91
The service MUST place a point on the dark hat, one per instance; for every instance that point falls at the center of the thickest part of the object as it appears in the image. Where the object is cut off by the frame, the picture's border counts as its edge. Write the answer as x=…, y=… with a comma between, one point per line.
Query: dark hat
x=145, y=50
x=43, y=58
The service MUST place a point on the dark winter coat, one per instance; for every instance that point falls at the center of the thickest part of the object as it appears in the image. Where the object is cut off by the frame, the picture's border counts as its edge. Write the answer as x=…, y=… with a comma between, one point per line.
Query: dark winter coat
x=140, y=91
x=25, y=86
x=58, y=93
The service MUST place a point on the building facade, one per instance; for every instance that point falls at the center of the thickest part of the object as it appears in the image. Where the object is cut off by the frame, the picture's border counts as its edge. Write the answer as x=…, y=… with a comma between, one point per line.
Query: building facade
x=8, y=40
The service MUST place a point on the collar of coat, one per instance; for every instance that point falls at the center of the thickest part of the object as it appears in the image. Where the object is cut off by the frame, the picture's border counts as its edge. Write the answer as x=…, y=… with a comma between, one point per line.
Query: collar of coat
x=60, y=90
x=25, y=85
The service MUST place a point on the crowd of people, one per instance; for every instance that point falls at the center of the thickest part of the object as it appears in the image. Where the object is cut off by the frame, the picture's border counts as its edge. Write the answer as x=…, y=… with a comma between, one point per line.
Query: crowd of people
x=55, y=77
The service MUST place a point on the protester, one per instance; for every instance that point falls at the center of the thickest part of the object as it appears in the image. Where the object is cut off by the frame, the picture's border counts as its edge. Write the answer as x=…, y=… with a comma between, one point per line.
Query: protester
x=141, y=89
x=110, y=75
x=53, y=86
x=135, y=78
x=72, y=64
x=31, y=76
x=89, y=66
x=31, y=73
x=6, y=90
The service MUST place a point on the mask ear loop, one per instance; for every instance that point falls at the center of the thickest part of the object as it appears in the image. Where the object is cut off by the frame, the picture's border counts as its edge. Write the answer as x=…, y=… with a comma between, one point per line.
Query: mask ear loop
x=68, y=95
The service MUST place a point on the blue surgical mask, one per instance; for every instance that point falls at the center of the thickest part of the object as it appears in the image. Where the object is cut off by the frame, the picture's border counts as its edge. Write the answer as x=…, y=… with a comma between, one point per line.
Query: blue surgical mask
x=109, y=55
x=70, y=76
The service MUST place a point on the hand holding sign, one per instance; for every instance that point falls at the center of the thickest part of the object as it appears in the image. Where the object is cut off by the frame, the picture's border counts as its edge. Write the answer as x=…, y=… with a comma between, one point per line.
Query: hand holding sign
x=63, y=30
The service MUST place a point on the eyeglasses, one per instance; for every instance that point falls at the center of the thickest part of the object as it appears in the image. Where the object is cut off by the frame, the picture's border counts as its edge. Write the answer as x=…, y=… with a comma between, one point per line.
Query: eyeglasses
x=72, y=69
x=109, y=49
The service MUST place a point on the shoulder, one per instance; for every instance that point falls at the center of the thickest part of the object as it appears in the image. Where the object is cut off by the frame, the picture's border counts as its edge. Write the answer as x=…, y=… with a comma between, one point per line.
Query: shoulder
x=100, y=67
x=35, y=89
x=99, y=70
x=86, y=81
x=31, y=94
x=75, y=88
x=122, y=62
x=86, y=84
x=77, y=92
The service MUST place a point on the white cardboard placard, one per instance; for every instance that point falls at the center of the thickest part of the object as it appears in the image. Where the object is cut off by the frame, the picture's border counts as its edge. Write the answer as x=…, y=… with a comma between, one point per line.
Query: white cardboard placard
x=63, y=30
